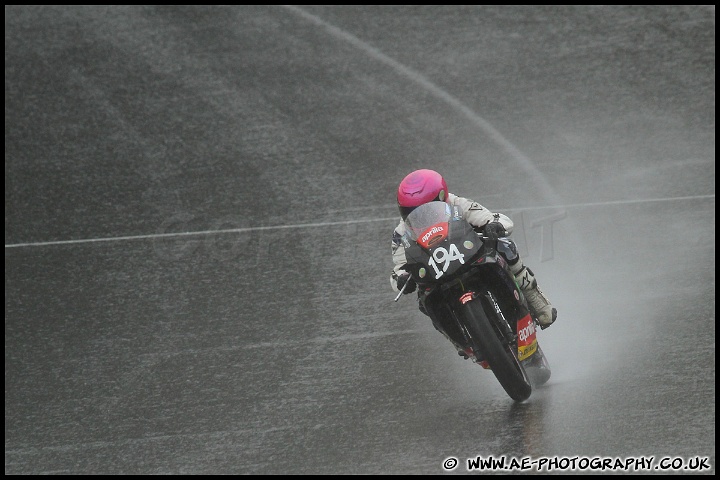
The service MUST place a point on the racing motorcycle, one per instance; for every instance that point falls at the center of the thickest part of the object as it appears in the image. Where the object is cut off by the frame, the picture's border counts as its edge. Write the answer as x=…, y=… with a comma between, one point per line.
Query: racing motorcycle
x=462, y=271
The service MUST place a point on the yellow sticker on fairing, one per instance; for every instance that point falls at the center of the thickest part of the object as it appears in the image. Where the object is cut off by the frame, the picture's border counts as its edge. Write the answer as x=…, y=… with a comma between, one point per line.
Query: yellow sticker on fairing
x=527, y=350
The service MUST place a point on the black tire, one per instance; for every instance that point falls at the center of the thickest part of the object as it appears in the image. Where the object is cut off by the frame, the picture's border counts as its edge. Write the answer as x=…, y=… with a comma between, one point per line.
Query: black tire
x=502, y=360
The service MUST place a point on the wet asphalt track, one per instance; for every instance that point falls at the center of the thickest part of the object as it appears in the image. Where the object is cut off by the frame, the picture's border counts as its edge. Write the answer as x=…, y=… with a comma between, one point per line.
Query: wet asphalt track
x=199, y=202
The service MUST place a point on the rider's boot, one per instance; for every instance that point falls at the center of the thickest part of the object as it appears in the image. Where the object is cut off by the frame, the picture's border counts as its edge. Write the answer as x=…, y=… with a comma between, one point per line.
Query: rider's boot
x=537, y=301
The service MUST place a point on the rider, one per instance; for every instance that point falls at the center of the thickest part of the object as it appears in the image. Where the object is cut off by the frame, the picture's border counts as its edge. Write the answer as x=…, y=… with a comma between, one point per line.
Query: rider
x=422, y=186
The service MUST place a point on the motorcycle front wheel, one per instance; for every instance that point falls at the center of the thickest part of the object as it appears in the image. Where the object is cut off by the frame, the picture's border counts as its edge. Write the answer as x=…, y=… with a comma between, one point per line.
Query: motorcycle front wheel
x=502, y=358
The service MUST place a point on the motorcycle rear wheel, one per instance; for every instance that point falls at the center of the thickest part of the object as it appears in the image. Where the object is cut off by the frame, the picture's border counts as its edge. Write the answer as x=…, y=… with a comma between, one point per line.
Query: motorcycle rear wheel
x=537, y=368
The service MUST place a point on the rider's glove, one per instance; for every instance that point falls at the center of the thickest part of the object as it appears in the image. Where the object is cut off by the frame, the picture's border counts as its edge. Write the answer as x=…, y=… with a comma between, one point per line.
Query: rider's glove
x=402, y=280
x=495, y=230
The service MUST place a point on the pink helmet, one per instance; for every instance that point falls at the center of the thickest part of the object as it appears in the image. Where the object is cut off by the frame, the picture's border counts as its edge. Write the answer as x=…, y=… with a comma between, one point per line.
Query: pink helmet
x=418, y=187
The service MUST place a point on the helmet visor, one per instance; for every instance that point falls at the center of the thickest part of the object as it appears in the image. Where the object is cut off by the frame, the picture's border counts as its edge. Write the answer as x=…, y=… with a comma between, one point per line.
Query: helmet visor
x=405, y=211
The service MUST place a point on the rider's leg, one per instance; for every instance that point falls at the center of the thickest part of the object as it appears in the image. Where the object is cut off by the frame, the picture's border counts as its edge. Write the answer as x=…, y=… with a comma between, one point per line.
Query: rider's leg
x=537, y=301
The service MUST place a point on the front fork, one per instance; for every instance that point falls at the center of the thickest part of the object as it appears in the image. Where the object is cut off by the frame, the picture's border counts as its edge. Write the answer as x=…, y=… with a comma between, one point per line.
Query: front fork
x=497, y=320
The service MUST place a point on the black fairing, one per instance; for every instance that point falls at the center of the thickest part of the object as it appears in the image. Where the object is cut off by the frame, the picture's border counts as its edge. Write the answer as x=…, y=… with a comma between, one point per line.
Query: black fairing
x=459, y=233
x=482, y=269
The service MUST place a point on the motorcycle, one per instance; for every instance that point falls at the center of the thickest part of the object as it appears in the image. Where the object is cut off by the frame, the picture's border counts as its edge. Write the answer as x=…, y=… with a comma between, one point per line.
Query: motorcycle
x=462, y=271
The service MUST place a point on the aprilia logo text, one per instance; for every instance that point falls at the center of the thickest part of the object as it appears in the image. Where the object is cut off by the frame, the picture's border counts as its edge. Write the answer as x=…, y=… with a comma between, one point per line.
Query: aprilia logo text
x=432, y=232
x=525, y=333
